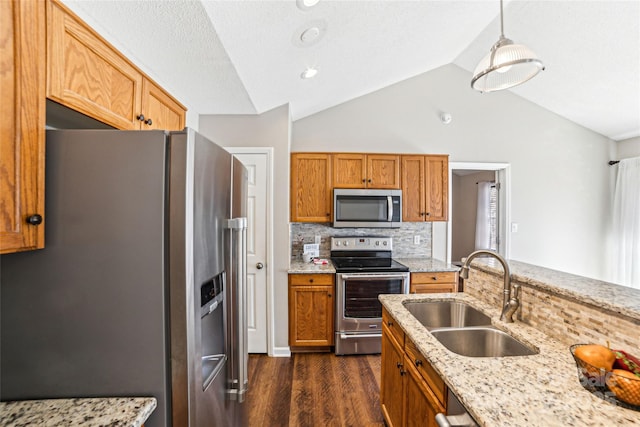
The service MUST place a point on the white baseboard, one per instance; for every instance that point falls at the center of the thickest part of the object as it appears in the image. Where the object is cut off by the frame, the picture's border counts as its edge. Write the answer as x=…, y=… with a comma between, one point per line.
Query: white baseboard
x=281, y=352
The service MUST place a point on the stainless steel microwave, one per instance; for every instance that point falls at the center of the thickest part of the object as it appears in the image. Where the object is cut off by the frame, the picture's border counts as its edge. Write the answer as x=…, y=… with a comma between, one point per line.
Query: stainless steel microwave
x=367, y=208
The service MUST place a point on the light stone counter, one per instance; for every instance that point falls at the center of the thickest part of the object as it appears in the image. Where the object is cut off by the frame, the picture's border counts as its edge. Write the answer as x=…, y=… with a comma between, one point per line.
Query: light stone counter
x=429, y=265
x=85, y=412
x=415, y=265
x=299, y=267
x=540, y=390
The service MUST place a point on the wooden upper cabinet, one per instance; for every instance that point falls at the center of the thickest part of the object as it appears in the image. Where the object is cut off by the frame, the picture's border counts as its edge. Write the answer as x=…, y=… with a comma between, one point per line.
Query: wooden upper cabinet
x=22, y=124
x=437, y=187
x=425, y=187
x=311, y=189
x=354, y=170
x=160, y=110
x=89, y=75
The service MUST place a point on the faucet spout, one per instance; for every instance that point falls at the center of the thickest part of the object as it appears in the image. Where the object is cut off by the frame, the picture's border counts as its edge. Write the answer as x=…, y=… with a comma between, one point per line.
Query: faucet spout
x=509, y=303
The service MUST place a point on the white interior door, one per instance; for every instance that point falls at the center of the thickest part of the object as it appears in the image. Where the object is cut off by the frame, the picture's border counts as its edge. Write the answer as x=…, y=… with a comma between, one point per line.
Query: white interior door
x=257, y=165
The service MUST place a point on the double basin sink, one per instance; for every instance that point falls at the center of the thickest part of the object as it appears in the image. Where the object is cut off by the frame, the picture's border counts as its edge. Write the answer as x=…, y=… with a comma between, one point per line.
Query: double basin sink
x=465, y=330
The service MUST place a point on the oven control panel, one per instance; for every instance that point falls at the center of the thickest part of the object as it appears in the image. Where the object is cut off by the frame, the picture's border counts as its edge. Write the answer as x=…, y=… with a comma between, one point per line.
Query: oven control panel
x=362, y=243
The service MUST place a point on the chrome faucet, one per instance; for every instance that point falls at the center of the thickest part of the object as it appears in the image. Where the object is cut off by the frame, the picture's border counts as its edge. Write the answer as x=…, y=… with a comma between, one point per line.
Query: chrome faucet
x=510, y=303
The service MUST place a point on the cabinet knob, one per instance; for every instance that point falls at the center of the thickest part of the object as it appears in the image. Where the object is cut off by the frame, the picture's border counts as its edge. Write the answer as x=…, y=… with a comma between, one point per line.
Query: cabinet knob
x=259, y=266
x=310, y=280
x=364, y=180
x=329, y=295
x=418, y=362
x=34, y=219
x=428, y=214
x=398, y=365
x=402, y=372
x=368, y=180
x=149, y=122
x=140, y=117
x=328, y=214
x=389, y=323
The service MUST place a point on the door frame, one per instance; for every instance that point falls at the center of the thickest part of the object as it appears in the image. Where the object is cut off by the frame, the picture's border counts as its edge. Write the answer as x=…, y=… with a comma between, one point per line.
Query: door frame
x=504, y=177
x=269, y=244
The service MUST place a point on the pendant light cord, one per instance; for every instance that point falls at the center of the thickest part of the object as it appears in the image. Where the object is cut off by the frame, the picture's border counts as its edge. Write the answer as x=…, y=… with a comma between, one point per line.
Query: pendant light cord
x=501, y=21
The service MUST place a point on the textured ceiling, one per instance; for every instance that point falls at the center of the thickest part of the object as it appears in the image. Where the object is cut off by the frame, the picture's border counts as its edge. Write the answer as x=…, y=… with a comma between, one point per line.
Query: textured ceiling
x=245, y=57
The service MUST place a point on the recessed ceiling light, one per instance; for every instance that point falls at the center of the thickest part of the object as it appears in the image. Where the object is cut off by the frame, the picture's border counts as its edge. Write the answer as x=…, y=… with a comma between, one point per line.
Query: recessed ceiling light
x=308, y=34
x=308, y=73
x=306, y=4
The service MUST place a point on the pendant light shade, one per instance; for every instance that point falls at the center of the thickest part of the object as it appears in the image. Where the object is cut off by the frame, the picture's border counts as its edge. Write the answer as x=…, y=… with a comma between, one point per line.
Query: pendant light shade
x=506, y=65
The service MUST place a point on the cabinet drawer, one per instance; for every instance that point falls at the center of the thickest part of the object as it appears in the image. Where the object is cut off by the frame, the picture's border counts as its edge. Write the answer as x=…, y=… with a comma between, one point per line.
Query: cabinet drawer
x=435, y=277
x=311, y=279
x=393, y=327
x=427, y=372
x=420, y=288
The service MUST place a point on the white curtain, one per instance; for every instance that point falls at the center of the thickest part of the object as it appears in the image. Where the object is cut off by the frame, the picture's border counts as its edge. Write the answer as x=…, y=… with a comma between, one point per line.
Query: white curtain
x=483, y=216
x=626, y=223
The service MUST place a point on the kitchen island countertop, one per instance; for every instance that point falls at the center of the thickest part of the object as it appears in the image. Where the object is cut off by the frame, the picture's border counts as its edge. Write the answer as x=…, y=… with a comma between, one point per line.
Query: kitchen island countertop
x=85, y=412
x=540, y=390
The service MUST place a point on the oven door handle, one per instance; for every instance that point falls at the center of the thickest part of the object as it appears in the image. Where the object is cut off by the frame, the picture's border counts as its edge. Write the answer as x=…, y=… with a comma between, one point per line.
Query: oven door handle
x=373, y=276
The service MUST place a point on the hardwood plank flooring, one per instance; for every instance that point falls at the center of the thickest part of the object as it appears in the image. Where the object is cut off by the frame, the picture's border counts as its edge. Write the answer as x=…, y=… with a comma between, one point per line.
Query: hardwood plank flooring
x=314, y=389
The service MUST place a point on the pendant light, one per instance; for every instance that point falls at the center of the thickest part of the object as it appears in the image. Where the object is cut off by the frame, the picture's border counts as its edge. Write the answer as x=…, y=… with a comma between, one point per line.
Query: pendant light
x=507, y=65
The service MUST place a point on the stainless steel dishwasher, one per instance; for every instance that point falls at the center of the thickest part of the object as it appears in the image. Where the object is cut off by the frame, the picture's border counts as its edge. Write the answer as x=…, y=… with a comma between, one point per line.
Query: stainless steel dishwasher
x=457, y=415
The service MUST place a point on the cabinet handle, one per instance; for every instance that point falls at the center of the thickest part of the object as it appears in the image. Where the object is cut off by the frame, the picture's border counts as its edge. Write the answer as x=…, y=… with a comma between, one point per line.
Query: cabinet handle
x=149, y=122
x=402, y=372
x=35, y=219
x=398, y=365
x=140, y=117
x=389, y=323
x=418, y=362
x=434, y=278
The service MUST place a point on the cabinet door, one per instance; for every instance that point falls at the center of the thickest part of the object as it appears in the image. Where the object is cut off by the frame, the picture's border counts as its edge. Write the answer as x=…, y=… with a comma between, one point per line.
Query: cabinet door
x=160, y=110
x=311, y=315
x=311, y=187
x=437, y=200
x=383, y=171
x=349, y=170
x=22, y=123
x=87, y=74
x=421, y=406
x=392, y=391
x=413, y=188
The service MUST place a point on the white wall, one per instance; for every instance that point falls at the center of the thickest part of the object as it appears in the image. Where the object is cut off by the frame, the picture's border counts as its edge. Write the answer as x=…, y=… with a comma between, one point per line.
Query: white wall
x=560, y=177
x=628, y=148
x=270, y=129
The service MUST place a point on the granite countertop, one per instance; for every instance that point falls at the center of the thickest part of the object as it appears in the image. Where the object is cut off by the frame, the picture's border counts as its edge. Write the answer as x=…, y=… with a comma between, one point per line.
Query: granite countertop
x=86, y=412
x=540, y=390
x=415, y=265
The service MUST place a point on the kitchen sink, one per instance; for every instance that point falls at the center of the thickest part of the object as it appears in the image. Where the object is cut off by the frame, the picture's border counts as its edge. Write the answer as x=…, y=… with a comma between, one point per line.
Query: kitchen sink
x=481, y=342
x=446, y=314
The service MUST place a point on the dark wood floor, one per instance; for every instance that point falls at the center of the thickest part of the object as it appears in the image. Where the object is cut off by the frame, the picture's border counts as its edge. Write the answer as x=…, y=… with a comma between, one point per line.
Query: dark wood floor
x=314, y=389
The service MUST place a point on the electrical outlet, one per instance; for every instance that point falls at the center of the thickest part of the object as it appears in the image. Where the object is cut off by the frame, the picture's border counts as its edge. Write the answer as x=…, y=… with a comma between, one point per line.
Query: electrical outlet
x=514, y=227
x=317, y=240
x=416, y=240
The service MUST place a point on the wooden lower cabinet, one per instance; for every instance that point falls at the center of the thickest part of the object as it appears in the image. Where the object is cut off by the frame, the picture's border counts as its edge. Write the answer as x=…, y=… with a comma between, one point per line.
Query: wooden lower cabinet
x=311, y=310
x=433, y=282
x=392, y=385
x=411, y=392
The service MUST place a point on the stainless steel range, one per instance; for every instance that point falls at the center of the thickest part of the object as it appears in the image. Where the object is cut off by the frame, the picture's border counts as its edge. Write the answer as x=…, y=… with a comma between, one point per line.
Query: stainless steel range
x=365, y=269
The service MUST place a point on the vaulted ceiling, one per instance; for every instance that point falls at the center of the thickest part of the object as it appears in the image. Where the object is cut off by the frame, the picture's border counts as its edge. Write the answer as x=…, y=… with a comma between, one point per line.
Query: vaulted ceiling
x=246, y=57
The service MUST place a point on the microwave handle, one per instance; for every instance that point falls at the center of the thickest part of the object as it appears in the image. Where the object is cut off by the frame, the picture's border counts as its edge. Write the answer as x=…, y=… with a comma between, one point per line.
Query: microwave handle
x=389, y=208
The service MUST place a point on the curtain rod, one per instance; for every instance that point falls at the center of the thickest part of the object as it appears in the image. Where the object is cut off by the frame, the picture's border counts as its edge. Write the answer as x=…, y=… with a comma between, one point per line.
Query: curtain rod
x=613, y=162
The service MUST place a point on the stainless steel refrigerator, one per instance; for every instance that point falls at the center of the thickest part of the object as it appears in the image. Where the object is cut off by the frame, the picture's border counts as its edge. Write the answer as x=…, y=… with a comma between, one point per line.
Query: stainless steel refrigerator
x=140, y=289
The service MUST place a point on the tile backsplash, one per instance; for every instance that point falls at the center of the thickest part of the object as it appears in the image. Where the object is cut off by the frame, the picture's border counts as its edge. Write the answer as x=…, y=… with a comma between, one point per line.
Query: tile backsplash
x=403, y=247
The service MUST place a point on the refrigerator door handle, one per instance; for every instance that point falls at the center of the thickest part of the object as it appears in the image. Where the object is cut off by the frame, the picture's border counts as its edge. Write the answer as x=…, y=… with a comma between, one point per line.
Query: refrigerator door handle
x=239, y=378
